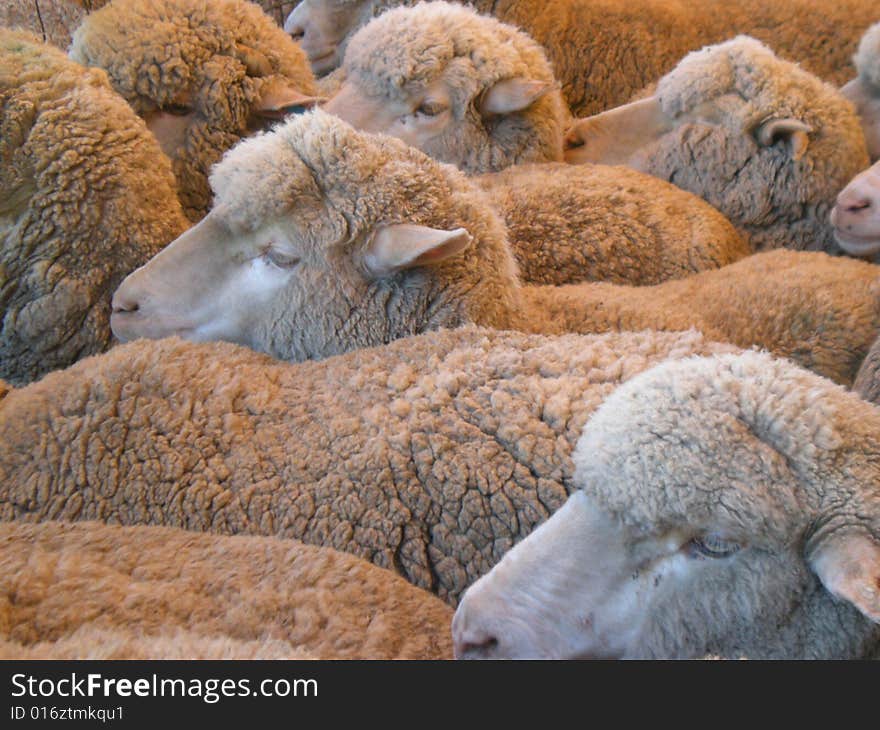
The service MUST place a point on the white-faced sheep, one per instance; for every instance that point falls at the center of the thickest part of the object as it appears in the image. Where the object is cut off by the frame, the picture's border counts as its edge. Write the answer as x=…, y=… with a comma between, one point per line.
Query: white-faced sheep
x=729, y=507
x=75, y=584
x=605, y=51
x=479, y=94
x=202, y=74
x=430, y=456
x=864, y=90
x=856, y=215
x=762, y=140
x=86, y=196
x=325, y=239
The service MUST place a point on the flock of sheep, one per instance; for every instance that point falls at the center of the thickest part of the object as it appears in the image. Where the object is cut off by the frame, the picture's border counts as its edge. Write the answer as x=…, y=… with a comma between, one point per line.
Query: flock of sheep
x=564, y=312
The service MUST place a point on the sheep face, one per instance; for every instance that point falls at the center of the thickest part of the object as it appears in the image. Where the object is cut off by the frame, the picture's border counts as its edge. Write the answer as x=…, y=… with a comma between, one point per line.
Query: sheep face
x=856, y=216
x=323, y=240
x=761, y=140
x=867, y=103
x=321, y=27
x=722, y=513
x=463, y=88
x=203, y=76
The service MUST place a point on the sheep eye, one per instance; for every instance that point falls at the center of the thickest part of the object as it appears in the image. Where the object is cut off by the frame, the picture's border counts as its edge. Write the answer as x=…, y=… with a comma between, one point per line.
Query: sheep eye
x=712, y=546
x=280, y=259
x=430, y=109
x=178, y=110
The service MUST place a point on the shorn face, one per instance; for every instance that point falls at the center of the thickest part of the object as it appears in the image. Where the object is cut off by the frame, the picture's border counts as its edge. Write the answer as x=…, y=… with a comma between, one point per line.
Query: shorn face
x=321, y=28
x=856, y=216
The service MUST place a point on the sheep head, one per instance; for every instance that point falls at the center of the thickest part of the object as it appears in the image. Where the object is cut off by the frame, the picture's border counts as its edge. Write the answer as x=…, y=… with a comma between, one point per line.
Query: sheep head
x=766, y=143
x=464, y=88
x=728, y=507
x=324, y=239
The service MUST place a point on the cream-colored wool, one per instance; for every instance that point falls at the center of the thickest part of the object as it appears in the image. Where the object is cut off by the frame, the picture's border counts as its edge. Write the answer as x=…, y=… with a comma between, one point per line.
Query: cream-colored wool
x=605, y=51
x=736, y=496
x=711, y=131
x=398, y=57
x=318, y=191
x=572, y=223
x=215, y=59
x=86, y=196
x=430, y=456
x=89, y=590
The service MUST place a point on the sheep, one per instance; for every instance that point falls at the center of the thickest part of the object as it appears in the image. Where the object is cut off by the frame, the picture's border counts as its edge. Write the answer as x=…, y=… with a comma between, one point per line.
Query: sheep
x=429, y=456
x=864, y=90
x=202, y=74
x=325, y=239
x=77, y=584
x=464, y=88
x=604, y=51
x=728, y=505
x=566, y=224
x=856, y=215
x=763, y=141
x=573, y=223
x=86, y=196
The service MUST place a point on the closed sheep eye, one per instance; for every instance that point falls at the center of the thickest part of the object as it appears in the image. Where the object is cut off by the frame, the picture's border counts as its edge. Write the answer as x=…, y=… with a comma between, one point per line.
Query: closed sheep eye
x=280, y=259
x=178, y=110
x=711, y=546
x=431, y=109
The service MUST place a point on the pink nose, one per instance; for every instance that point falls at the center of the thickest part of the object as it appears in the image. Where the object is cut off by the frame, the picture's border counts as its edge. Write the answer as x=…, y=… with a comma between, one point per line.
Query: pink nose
x=852, y=207
x=473, y=645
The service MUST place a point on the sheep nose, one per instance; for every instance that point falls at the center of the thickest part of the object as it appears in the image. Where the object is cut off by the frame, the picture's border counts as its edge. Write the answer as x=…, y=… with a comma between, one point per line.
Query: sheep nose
x=124, y=301
x=469, y=639
x=297, y=32
x=851, y=205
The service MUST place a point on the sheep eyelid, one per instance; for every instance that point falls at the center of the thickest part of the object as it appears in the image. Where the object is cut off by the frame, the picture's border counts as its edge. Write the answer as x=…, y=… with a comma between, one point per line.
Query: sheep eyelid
x=430, y=108
x=279, y=259
x=711, y=546
x=178, y=110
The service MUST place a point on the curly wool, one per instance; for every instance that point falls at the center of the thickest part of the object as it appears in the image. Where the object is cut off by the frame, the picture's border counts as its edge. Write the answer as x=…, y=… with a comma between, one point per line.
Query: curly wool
x=156, y=593
x=604, y=52
x=159, y=52
x=572, y=223
x=86, y=196
x=775, y=199
x=405, y=50
x=430, y=456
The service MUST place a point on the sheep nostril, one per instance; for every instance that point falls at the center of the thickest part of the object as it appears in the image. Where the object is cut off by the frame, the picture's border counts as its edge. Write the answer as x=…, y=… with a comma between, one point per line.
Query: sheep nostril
x=476, y=648
x=122, y=305
x=296, y=33
x=857, y=206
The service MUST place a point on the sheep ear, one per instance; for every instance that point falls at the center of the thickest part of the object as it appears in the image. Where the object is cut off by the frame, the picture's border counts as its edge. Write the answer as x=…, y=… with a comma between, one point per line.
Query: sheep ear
x=278, y=99
x=404, y=246
x=512, y=95
x=793, y=131
x=254, y=61
x=849, y=567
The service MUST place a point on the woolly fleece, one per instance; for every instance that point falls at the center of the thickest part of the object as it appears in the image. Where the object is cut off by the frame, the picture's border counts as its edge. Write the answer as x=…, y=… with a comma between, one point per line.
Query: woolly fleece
x=86, y=196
